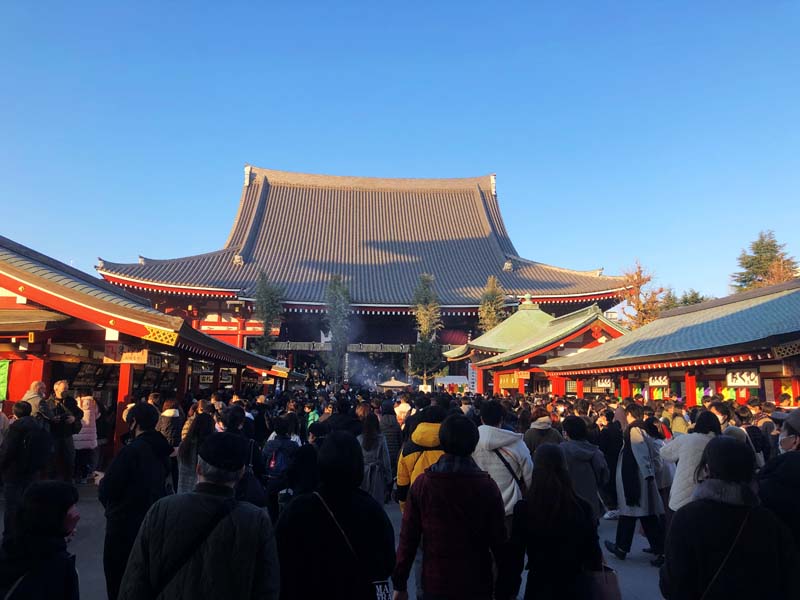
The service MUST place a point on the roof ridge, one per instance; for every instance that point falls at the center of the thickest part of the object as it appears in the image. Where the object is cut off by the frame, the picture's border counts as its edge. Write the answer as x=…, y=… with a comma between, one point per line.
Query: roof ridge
x=594, y=272
x=105, y=263
x=732, y=298
x=593, y=308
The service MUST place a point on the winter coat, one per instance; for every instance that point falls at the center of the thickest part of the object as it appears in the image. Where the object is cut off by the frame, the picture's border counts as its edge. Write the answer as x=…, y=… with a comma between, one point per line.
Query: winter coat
x=393, y=434
x=169, y=425
x=458, y=510
x=344, y=422
x=306, y=530
x=516, y=454
x=4, y=425
x=686, y=450
x=172, y=529
x=187, y=425
x=419, y=453
x=20, y=460
x=60, y=410
x=86, y=439
x=667, y=475
x=39, y=405
x=554, y=566
x=678, y=424
x=703, y=532
x=778, y=485
x=541, y=432
x=649, y=465
x=610, y=441
x=401, y=412
x=377, y=469
x=588, y=471
x=46, y=568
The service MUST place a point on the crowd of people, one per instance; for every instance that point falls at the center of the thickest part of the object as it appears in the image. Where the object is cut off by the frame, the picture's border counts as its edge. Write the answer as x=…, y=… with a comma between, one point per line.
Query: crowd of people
x=283, y=496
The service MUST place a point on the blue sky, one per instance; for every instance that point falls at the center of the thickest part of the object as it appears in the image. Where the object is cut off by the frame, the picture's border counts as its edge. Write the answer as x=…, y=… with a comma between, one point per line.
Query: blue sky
x=663, y=131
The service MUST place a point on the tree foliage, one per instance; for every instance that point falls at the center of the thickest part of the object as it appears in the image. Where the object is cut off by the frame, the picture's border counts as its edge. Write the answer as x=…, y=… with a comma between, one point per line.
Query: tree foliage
x=691, y=296
x=643, y=300
x=268, y=309
x=491, y=311
x=767, y=263
x=426, y=356
x=337, y=321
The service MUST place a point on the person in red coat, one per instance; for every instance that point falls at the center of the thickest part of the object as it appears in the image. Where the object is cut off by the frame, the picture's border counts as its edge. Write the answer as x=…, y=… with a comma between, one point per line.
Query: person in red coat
x=458, y=510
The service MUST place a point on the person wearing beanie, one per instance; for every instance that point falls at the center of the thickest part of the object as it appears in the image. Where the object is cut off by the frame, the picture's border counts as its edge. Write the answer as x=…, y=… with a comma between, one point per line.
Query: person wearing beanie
x=724, y=531
x=136, y=478
x=458, y=511
x=186, y=542
x=340, y=522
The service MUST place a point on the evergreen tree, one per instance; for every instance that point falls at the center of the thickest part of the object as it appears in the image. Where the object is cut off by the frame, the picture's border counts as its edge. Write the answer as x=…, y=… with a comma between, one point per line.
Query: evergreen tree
x=268, y=310
x=644, y=300
x=426, y=356
x=767, y=263
x=491, y=311
x=337, y=321
x=670, y=300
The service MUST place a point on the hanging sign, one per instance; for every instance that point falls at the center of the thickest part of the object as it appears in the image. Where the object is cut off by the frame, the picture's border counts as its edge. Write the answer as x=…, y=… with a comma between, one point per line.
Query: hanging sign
x=526, y=375
x=508, y=380
x=743, y=378
x=658, y=381
x=604, y=382
x=472, y=379
x=117, y=353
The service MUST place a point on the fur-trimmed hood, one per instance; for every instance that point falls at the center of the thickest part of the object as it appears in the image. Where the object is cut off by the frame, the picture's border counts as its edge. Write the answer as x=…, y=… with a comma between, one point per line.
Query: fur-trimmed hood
x=726, y=492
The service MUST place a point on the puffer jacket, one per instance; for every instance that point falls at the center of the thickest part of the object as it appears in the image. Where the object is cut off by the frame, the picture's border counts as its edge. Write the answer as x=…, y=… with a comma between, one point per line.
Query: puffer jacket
x=173, y=526
x=393, y=434
x=169, y=425
x=86, y=439
x=493, y=440
x=419, y=453
x=686, y=450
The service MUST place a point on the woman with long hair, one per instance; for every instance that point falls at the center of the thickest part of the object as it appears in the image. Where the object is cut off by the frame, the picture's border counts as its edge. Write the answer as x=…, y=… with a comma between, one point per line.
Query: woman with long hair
x=556, y=530
x=202, y=426
x=377, y=480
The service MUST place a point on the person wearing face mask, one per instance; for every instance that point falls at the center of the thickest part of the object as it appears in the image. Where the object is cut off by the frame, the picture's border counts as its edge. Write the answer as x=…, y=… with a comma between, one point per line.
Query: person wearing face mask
x=779, y=480
x=34, y=562
x=133, y=482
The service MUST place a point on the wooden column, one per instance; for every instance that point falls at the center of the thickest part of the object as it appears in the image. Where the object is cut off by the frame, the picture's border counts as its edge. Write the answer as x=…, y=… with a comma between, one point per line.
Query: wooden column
x=579, y=388
x=625, y=386
x=496, y=384
x=521, y=386
x=215, y=380
x=237, y=379
x=183, y=372
x=124, y=391
x=479, y=382
x=690, y=381
x=558, y=385
x=795, y=390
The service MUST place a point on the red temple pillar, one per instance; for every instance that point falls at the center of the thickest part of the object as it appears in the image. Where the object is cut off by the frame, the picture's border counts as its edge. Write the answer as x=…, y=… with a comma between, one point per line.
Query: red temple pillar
x=40, y=371
x=558, y=385
x=690, y=381
x=795, y=390
x=496, y=384
x=579, y=388
x=625, y=386
x=479, y=381
x=124, y=391
x=521, y=386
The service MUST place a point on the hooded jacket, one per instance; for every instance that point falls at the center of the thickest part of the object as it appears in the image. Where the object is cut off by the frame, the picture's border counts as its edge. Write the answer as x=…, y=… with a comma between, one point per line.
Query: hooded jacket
x=541, y=432
x=35, y=400
x=19, y=462
x=510, y=445
x=170, y=424
x=419, y=453
x=86, y=439
x=686, y=450
x=588, y=470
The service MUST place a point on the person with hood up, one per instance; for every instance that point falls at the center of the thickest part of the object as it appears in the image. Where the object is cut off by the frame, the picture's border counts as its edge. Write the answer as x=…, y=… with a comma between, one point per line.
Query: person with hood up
x=541, y=431
x=587, y=465
x=420, y=452
x=34, y=562
x=503, y=455
x=341, y=523
x=715, y=539
x=136, y=478
x=85, y=441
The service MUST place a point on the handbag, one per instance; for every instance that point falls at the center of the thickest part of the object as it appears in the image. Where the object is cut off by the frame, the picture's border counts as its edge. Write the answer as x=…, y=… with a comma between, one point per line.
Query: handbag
x=603, y=584
x=382, y=588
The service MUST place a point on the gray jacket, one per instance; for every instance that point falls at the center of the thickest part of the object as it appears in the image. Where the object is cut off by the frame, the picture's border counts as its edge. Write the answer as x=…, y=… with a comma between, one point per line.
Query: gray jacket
x=588, y=471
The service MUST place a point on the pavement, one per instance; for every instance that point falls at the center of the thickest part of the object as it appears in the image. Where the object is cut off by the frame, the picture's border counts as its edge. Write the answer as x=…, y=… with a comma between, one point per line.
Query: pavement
x=638, y=580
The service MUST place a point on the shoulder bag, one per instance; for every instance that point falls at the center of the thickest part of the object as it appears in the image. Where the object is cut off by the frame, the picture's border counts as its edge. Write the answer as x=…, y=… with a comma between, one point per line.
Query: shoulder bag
x=516, y=478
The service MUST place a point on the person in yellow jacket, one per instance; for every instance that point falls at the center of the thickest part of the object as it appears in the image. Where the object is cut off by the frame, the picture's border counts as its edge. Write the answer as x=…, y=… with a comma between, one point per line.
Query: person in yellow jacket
x=420, y=452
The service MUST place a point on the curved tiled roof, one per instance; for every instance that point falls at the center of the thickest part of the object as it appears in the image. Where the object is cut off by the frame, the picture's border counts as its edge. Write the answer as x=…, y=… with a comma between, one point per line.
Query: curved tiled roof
x=380, y=234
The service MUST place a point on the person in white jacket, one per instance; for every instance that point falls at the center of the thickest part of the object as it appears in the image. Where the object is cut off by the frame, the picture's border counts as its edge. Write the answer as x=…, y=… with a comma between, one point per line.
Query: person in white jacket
x=503, y=455
x=86, y=440
x=687, y=450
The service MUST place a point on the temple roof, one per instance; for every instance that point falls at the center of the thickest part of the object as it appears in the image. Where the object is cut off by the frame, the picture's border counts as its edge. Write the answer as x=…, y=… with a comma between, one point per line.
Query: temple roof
x=379, y=234
x=749, y=321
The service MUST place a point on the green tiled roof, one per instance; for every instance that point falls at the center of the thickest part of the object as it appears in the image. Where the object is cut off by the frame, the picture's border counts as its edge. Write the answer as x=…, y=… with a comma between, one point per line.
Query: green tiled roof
x=751, y=320
x=555, y=330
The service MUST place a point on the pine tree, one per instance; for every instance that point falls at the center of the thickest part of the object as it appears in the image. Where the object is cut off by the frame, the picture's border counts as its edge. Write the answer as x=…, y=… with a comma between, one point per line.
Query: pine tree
x=426, y=356
x=669, y=300
x=767, y=263
x=491, y=311
x=644, y=300
x=691, y=296
x=268, y=310
x=337, y=321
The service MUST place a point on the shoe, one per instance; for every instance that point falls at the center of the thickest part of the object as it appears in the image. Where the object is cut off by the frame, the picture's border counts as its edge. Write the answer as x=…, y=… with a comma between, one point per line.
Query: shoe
x=658, y=561
x=612, y=547
x=611, y=515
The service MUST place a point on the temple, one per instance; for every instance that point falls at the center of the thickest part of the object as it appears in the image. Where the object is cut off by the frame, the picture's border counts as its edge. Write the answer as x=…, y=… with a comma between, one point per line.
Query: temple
x=380, y=235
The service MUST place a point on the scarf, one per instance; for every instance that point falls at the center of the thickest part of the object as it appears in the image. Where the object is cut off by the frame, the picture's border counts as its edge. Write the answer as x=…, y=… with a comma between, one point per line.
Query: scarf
x=630, y=469
x=542, y=423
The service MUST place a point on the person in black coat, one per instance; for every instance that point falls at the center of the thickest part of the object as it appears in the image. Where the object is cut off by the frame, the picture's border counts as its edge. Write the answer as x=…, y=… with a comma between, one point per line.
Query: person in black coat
x=610, y=441
x=343, y=419
x=133, y=482
x=715, y=540
x=34, y=562
x=779, y=479
x=360, y=553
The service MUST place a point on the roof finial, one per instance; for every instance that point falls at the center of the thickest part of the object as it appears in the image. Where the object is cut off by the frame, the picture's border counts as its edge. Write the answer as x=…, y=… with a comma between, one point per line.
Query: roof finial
x=247, y=172
x=508, y=266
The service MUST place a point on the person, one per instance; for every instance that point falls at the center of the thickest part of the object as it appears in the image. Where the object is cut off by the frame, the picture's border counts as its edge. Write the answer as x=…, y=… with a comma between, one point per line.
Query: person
x=202, y=427
x=135, y=479
x=310, y=417
x=754, y=434
x=503, y=455
x=34, y=562
x=457, y=509
x=586, y=464
x=278, y=455
x=206, y=544
x=39, y=407
x=655, y=429
x=779, y=480
x=170, y=424
x=715, y=539
x=85, y=441
x=638, y=470
x=24, y=455
x=541, y=431
x=65, y=422
x=610, y=441
x=557, y=531
x=420, y=452
x=391, y=431
x=402, y=409
x=687, y=450
x=302, y=475
x=339, y=522
x=343, y=420
x=377, y=480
